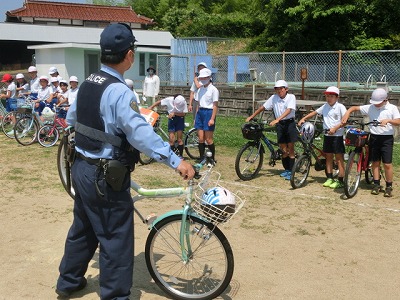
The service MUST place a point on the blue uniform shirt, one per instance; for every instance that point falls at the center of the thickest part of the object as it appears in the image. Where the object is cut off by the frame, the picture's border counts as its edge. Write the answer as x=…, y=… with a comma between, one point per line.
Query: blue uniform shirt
x=119, y=117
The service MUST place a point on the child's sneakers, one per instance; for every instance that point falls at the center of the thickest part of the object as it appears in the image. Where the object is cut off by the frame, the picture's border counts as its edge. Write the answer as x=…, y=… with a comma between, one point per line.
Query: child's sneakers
x=376, y=189
x=288, y=175
x=328, y=182
x=388, y=192
x=336, y=184
x=284, y=173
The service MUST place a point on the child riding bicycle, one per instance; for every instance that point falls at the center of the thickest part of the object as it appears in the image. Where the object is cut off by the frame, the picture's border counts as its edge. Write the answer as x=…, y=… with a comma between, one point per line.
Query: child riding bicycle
x=284, y=106
x=177, y=109
x=381, y=138
x=332, y=112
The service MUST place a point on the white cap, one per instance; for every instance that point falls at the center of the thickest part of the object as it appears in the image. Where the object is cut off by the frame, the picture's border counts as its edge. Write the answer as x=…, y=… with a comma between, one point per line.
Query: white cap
x=179, y=103
x=54, y=79
x=202, y=64
x=378, y=96
x=281, y=83
x=53, y=70
x=205, y=73
x=332, y=90
x=73, y=78
x=32, y=69
x=19, y=76
x=43, y=77
x=129, y=83
x=63, y=81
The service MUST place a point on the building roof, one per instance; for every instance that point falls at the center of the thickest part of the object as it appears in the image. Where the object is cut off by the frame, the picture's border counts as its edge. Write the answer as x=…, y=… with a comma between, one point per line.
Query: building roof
x=85, y=12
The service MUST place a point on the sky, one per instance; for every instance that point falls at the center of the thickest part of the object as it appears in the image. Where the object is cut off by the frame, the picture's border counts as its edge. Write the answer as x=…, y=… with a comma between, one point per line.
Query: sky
x=6, y=5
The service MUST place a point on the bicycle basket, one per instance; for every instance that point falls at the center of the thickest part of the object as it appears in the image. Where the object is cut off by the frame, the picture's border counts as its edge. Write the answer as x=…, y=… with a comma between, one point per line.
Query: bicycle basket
x=252, y=131
x=24, y=110
x=216, y=204
x=356, y=138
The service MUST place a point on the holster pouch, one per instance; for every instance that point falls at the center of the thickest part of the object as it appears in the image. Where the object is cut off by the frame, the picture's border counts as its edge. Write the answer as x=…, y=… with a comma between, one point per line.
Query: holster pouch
x=71, y=152
x=115, y=175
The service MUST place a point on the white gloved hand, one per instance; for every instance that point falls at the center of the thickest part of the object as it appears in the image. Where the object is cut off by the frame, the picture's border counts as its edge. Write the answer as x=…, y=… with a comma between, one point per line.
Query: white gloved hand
x=144, y=98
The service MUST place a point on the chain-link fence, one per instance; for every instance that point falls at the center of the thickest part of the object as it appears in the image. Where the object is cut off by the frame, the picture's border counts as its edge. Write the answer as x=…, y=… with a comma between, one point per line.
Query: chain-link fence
x=346, y=69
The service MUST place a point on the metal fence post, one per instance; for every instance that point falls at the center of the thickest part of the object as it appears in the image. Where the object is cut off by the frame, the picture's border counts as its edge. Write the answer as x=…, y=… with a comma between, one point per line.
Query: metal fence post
x=339, y=68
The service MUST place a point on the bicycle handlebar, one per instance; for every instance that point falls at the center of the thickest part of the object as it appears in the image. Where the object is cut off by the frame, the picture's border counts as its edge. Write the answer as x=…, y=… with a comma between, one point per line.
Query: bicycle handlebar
x=356, y=122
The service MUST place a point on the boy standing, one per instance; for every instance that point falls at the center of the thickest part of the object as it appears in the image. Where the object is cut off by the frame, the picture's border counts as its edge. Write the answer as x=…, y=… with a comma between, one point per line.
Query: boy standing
x=284, y=106
x=332, y=112
x=381, y=139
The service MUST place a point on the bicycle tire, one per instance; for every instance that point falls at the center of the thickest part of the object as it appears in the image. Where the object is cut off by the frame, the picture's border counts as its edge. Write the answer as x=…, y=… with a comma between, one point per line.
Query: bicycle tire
x=249, y=161
x=192, y=144
x=210, y=267
x=64, y=166
x=300, y=171
x=48, y=136
x=352, y=175
x=8, y=125
x=25, y=131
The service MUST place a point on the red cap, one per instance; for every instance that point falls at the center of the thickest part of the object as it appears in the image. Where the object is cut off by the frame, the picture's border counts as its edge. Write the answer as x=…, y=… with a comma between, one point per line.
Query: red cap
x=7, y=77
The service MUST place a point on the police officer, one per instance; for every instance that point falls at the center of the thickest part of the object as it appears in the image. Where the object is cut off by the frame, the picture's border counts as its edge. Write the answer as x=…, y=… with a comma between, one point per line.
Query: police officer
x=105, y=129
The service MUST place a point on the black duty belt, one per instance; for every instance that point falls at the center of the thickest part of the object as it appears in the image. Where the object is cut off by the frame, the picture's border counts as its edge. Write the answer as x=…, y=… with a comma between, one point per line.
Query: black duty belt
x=205, y=108
x=286, y=121
x=91, y=161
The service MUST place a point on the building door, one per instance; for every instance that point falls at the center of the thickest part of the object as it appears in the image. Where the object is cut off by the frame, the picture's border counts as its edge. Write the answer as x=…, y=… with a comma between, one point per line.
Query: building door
x=92, y=62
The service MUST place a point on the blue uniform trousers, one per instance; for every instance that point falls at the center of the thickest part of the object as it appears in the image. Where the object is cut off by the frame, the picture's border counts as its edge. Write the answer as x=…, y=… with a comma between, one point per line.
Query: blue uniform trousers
x=99, y=222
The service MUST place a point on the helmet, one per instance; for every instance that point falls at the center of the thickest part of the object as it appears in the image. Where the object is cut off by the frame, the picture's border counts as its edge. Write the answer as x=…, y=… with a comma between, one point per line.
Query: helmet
x=218, y=204
x=307, y=132
x=47, y=113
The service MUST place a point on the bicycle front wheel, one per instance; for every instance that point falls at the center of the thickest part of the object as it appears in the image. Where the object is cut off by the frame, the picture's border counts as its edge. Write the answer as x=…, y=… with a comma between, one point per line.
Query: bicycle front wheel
x=48, y=135
x=208, y=269
x=249, y=161
x=352, y=175
x=192, y=144
x=26, y=131
x=300, y=171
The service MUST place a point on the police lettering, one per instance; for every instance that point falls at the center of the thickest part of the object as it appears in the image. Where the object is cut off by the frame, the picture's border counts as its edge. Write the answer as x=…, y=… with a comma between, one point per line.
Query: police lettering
x=96, y=78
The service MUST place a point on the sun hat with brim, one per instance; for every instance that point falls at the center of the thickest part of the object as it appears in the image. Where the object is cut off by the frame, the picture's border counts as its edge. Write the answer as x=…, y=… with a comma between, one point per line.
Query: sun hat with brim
x=44, y=78
x=202, y=64
x=151, y=68
x=116, y=38
x=54, y=79
x=7, y=77
x=378, y=96
x=73, y=78
x=281, y=83
x=19, y=76
x=332, y=90
x=32, y=69
x=179, y=103
x=63, y=82
x=53, y=70
x=205, y=73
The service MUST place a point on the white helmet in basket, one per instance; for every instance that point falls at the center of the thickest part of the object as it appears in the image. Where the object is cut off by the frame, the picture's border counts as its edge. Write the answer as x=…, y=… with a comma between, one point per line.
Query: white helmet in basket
x=47, y=113
x=218, y=196
x=307, y=132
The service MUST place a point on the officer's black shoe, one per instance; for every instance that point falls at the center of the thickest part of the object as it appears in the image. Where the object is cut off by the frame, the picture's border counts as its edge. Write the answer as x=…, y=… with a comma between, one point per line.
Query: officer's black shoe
x=65, y=294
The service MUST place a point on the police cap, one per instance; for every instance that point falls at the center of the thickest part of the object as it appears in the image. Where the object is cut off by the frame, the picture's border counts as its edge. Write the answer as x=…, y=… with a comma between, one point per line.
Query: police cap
x=116, y=38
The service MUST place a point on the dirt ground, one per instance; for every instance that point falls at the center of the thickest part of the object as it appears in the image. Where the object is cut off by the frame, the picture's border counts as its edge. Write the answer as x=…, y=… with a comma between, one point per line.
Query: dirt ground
x=307, y=243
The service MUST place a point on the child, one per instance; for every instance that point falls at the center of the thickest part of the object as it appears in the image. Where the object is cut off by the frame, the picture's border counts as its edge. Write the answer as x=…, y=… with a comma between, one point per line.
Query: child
x=381, y=138
x=332, y=112
x=207, y=96
x=284, y=106
x=10, y=95
x=177, y=108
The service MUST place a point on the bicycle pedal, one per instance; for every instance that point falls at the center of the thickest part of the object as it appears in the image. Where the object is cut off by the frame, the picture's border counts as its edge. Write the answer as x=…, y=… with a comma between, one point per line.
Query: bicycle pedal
x=151, y=218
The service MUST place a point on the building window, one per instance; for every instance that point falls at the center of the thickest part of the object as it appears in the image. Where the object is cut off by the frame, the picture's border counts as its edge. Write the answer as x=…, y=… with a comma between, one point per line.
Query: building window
x=142, y=64
x=153, y=60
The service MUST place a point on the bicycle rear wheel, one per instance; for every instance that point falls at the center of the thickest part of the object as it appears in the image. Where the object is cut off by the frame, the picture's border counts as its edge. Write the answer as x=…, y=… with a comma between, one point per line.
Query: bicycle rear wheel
x=48, y=136
x=249, y=161
x=352, y=175
x=300, y=171
x=8, y=124
x=192, y=144
x=64, y=166
x=26, y=130
x=144, y=159
x=209, y=268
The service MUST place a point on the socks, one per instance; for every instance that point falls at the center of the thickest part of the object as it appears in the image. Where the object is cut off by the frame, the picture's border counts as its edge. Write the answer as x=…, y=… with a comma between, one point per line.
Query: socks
x=202, y=147
x=212, y=149
x=180, y=149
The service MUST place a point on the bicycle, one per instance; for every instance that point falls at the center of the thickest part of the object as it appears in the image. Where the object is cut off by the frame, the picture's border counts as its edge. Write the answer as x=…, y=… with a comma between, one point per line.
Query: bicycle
x=48, y=135
x=250, y=157
x=302, y=166
x=358, y=161
x=27, y=126
x=11, y=118
x=190, y=139
x=186, y=253
x=65, y=158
